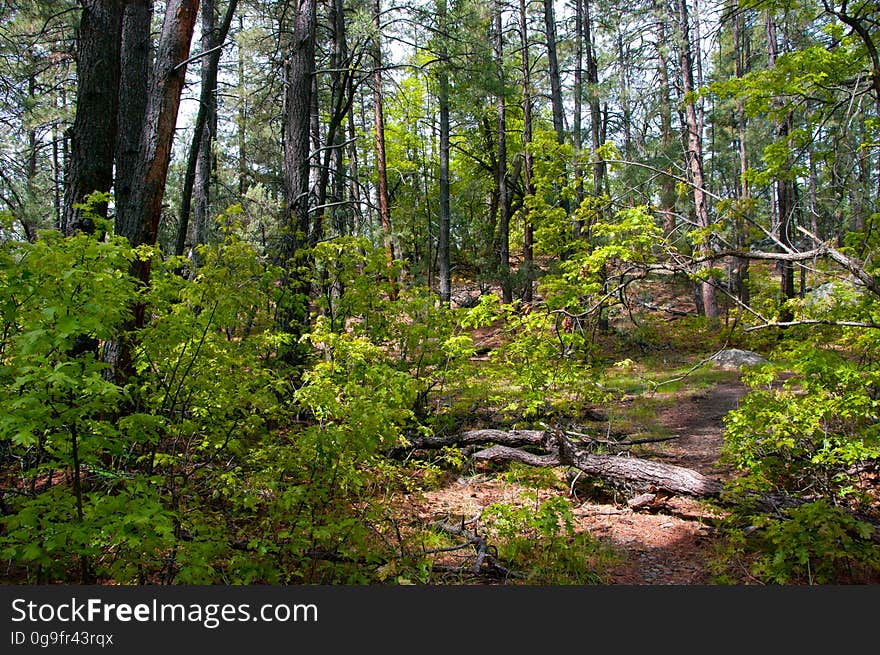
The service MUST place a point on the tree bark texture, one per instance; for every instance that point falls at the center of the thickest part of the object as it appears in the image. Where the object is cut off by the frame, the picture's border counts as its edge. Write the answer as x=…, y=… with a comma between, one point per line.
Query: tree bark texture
x=93, y=134
x=195, y=195
x=528, y=187
x=501, y=164
x=694, y=152
x=443, y=264
x=553, y=64
x=379, y=130
x=293, y=317
x=139, y=220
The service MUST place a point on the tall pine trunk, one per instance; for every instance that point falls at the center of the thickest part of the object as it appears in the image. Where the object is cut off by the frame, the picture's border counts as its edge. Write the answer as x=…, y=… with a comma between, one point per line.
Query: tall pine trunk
x=553, y=65
x=694, y=152
x=528, y=234
x=199, y=165
x=292, y=317
x=443, y=264
x=785, y=191
x=93, y=135
x=501, y=164
x=379, y=132
x=136, y=67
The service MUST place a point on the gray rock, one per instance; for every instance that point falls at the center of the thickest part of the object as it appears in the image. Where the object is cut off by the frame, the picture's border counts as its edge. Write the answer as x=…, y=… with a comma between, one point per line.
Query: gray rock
x=842, y=293
x=734, y=359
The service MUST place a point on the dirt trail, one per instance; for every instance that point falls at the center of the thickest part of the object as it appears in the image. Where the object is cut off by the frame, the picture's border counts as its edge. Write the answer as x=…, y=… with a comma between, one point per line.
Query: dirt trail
x=698, y=421
x=671, y=547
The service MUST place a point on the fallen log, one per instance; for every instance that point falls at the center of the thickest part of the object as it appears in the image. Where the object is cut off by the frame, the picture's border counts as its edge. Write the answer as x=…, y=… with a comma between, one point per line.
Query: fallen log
x=476, y=438
x=666, y=477
x=560, y=450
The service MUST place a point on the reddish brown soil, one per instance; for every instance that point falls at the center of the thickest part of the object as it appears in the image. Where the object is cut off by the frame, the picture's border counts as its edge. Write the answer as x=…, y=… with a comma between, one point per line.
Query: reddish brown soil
x=673, y=546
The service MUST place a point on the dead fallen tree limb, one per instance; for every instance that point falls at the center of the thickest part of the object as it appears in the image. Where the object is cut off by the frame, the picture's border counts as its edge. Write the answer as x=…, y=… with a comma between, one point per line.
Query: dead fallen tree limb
x=655, y=476
x=560, y=450
x=660, y=308
x=666, y=477
x=485, y=562
x=474, y=438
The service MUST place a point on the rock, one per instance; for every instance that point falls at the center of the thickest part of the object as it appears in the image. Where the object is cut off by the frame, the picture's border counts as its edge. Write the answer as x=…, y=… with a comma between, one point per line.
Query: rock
x=734, y=359
x=843, y=293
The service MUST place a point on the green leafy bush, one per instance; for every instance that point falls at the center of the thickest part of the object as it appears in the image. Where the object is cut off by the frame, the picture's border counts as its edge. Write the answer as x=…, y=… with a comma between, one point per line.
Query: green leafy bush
x=815, y=543
x=541, y=541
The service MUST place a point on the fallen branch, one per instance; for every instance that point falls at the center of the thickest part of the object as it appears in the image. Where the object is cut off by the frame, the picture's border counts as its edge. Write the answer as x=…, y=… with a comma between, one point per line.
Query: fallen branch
x=476, y=438
x=484, y=563
x=666, y=477
x=659, y=308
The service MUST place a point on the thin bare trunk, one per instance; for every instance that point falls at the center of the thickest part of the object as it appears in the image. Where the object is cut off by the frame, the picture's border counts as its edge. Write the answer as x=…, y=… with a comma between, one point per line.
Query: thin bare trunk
x=501, y=164
x=741, y=279
x=694, y=154
x=785, y=189
x=379, y=131
x=528, y=234
x=197, y=179
x=443, y=263
x=555, y=79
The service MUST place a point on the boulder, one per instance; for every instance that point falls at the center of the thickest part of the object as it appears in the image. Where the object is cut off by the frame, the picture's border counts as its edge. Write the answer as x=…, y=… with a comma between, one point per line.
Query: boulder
x=734, y=359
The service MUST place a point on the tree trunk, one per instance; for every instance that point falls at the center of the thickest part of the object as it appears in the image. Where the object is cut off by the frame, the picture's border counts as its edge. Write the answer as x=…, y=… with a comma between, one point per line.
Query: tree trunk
x=136, y=64
x=668, y=193
x=555, y=79
x=785, y=192
x=741, y=279
x=138, y=219
x=197, y=179
x=379, y=128
x=694, y=153
x=443, y=264
x=341, y=98
x=528, y=234
x=577, y=123
x=241, y=119
x=595, y=110
x=293, y=312
x=501, y=164
x=93, y=135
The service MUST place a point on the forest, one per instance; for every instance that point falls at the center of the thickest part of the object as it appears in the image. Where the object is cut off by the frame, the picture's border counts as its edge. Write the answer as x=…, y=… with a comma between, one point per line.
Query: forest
x=440, y=292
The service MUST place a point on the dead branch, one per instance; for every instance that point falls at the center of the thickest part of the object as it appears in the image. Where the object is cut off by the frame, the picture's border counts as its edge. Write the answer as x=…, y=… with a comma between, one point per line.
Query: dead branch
x=485, y=561
x=477, y=437
x=667, y=477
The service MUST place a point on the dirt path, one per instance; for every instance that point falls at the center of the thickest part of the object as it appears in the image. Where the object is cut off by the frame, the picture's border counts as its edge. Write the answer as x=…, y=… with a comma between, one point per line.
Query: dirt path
x=671, y=547
x=698, y=421
x=668, y=547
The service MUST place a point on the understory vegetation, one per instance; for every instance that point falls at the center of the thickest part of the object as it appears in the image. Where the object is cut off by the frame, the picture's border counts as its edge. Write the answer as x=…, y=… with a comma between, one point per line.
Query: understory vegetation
x=217, y=462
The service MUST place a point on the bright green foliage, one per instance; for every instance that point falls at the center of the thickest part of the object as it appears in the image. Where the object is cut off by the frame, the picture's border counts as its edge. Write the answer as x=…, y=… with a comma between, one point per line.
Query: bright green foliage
x=181, y=479
x=60, y=297
x=540, y=365
x=811, y=430
x=623, y=244
x=816, y=543
x=542, y=541
x=353, y=275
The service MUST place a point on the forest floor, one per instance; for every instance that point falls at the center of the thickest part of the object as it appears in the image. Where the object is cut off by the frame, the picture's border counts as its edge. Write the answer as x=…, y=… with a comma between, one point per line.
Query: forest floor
x=669, y=545
x=673, y=546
